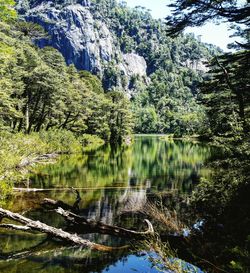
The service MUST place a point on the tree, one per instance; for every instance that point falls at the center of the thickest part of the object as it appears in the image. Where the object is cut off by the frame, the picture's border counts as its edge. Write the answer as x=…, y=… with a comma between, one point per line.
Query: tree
x=229, y=74
x=7, y=11
x=121, y=119
x=10, y=84
x=228, y=82
x=31, y=30
x=195, y=13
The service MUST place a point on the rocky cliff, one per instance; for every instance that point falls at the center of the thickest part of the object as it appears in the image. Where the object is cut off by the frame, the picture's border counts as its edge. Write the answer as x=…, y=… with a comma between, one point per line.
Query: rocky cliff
x=81, y=34
x=123, y=46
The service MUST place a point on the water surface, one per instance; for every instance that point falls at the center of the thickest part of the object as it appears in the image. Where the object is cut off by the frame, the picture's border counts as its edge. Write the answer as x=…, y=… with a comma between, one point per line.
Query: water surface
x=111, y=181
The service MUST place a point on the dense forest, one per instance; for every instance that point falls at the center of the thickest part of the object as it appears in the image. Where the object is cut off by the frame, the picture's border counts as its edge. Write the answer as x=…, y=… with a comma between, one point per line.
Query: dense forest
x=163, y=87
x=42, y=93
x=39, y=91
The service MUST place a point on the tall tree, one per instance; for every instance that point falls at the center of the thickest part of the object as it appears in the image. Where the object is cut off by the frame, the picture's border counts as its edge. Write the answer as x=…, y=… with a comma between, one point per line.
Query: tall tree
x=229, y=75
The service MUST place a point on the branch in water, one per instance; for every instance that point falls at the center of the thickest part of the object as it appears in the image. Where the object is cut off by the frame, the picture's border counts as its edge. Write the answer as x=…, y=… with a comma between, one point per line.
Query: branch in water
x=81, y=224
x=91, y=226
x=54, y=232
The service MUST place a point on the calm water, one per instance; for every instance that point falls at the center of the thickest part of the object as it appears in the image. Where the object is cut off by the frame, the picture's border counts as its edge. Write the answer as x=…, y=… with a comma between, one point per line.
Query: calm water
x=111, y=181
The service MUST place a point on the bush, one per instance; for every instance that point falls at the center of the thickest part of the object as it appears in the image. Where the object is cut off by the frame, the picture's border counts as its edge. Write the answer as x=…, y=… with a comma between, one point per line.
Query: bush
x=90, y=142
x=16, y=149
x=60, y=141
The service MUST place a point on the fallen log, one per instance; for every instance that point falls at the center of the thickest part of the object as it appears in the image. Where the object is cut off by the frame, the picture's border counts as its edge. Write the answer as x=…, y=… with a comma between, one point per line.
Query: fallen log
x=80, y=224
x=54, y=232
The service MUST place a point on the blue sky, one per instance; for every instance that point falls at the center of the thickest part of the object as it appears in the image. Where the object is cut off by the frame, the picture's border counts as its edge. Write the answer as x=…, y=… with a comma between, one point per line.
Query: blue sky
x=210, y=33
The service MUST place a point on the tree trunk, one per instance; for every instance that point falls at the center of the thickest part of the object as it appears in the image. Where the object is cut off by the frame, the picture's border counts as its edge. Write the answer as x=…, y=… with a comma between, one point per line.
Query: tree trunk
x=81, y=224
x=52, y=231
x=33, y=113
x=90, y=226
x=20, y=125
x=63, y=126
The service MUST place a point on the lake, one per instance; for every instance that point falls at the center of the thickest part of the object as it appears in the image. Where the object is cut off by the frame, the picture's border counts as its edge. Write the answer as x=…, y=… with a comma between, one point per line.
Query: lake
x=112, y=181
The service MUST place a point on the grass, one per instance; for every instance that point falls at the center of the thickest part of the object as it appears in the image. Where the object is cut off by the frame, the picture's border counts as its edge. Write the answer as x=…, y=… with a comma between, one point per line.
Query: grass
x=168, y=219
x=165, y=219
x=17, y=149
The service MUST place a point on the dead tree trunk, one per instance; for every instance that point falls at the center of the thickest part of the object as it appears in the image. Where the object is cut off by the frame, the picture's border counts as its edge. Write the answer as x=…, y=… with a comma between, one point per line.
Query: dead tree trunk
x=52, y=231
x=80, y=224
x=83, y=225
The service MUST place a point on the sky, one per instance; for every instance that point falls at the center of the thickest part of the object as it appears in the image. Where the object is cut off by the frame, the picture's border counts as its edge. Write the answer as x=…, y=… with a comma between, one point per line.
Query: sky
x=210, y=33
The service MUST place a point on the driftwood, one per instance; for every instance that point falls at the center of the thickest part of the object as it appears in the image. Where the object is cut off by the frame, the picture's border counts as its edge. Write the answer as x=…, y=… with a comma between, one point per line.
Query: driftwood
x=50, y=203
x=16, y=227
x=78, y=223
x=83, y=225
x=90, y=226
x=55, y=204
x=52, y=231
x=30, y=161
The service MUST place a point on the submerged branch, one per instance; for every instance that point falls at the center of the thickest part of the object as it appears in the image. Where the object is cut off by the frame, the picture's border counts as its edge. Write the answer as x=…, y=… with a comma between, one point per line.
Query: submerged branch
x=83, y=225
x=91, y=226
x=54, y=232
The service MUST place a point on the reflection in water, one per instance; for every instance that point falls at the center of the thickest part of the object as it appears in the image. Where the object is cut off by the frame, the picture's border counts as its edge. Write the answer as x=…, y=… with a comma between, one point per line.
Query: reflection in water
x=74, y=260
x=150, y=162
x=110, y=181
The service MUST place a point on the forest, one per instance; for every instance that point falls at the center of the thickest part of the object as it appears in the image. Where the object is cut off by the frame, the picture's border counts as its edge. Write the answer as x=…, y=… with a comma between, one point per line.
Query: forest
x=52, y=111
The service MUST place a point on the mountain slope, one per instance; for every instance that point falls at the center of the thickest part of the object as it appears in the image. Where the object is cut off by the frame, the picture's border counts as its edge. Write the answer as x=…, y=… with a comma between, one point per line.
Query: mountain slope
x=128, y=50
x=81, y=35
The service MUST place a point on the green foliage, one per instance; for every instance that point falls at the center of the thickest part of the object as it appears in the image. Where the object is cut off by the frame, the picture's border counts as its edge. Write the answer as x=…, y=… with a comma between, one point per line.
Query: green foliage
x=168, y=106
x=7, y=11
x=146, y=120
x=90, y=142
x=165, y=104
x=228, y=80
x=60, y=141
x=39, y=92
x=121, y=119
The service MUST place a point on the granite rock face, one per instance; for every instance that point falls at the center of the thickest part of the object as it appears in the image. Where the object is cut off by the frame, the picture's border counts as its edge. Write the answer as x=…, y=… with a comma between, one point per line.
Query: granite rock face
x=134, y=64
x=83, y=37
